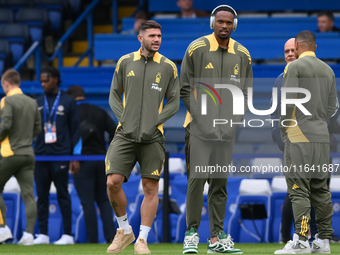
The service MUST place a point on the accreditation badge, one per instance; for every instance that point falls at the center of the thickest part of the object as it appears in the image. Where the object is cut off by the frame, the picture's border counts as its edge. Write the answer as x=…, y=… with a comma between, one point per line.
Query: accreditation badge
x=50, y=132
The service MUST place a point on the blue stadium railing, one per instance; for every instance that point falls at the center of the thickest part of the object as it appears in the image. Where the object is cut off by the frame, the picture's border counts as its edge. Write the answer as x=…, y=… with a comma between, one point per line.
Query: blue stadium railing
x=36, y=46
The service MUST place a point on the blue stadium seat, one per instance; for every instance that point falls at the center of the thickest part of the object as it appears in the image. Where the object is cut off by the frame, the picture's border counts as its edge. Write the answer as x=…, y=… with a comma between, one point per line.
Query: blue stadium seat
x=55, y=220
x=55, y=11
x=16, y=4
x=170, y=147
x=155, y=234
x=78, y=221
x=249, y=222
x=287, y=26
x=127, y=23
x=5, y=54
x=244, y=148
x=82, y=74
x=80, y=234
x=334, y=187
x=6, y=15
x=174, y=138
x=37, y=20
x=179, y=186
x=273, y=71
x=177, y=120
x=273, y=26
x=175, y=135
x=174, y=45
x=279, y=189
x=249, y=5
x=18, y=36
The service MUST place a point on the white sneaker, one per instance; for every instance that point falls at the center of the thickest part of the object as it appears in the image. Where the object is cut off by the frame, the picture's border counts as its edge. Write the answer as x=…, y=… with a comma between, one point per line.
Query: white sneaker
x=320, y=245
x=42, y=239
x=26, y=239
x=5, y=234
x=191, y=241
x=65, y=239
x=295, y=246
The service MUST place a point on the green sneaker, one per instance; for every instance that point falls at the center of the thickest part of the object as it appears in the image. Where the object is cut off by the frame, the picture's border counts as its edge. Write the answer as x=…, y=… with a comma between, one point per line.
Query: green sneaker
x=223, y=245
x=191, y=240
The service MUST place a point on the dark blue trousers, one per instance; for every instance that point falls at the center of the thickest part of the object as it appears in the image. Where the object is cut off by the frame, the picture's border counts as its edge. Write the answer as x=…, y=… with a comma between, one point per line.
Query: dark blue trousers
x=44, y=174
x=90, y=183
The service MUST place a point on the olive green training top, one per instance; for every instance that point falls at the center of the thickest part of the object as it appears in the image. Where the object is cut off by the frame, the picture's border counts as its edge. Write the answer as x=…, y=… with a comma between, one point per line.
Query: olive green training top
x=206, y=64
x=318, y=78
x=20, y=123
x=144, y=83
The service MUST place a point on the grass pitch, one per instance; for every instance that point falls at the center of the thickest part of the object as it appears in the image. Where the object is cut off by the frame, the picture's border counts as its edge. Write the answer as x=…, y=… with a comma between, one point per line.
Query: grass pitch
x=156, y=249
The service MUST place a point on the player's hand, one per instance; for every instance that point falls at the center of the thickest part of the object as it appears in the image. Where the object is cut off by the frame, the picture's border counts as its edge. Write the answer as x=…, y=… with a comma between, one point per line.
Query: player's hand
x=74, y=167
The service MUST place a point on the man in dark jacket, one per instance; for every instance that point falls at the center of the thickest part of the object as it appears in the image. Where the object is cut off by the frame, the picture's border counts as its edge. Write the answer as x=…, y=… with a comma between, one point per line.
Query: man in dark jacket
x=60, y=136
x=90, y=182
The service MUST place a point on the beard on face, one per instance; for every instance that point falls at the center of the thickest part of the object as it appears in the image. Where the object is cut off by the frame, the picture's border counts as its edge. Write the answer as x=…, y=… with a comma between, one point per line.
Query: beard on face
x=224, y=37
x=149, y=48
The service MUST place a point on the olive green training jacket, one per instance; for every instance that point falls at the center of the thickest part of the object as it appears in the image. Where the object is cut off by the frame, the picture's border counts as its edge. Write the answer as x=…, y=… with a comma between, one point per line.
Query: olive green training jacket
x=144, y=83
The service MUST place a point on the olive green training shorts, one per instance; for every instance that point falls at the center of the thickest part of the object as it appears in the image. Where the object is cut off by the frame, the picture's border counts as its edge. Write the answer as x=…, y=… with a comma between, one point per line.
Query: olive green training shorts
x=122, y=156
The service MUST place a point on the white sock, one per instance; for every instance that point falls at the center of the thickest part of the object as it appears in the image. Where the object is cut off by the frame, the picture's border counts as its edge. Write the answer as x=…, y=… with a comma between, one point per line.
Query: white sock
x=123, y=223
x=144, y=232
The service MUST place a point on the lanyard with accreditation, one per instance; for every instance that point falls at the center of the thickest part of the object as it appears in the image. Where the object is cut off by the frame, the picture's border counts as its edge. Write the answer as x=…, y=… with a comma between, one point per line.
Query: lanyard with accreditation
x=50, y=127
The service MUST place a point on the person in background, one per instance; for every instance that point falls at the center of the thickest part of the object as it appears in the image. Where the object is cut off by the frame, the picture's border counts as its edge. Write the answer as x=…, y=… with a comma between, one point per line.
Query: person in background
x=287, y=211
x=326, y=22
x=333, y=127
x=90, y=182
x=20, y=123
x=289, y=57
x=60, y=136
x=187, y=10
x=307, y=145
x=140, y=17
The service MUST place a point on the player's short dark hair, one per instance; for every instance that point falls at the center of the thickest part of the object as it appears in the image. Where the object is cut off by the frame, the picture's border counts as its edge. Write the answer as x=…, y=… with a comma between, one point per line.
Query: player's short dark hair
x=149, y=24
x=329, y=14
x=11, y=76
x=53, y=72
x=307, y=37
x=75, y=91
x=223, y=8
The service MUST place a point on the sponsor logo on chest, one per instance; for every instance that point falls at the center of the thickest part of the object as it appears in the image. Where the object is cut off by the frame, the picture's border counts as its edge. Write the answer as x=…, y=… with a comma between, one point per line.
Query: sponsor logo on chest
x=155, y=85
x=233, y=77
